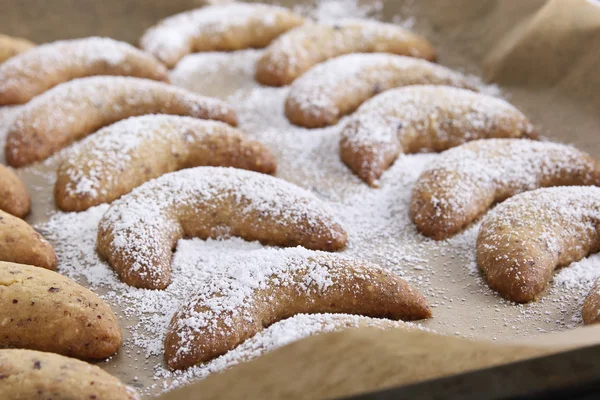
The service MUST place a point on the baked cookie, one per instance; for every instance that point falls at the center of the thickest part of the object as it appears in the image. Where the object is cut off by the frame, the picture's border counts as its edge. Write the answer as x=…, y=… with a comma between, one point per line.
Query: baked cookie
x=591, y=306
x=11, y=46
x=128, y=153
x=139, y=231
x=334, y=88
x=426, y=118
x=462, y=183
x=42, y=310
x=20, y=243
x=28, y=374
x=523, y=240
x=224, y=27
x=296, y=51
x=235, y=306
x=14, y=197
x=32, y=73
x=74, y=109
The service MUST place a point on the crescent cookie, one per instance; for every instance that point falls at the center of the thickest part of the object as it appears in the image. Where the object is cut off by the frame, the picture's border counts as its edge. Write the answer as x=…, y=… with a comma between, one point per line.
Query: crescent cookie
x=591, y=305
x=28, y=374
x=296, y=51
x=223, y=27
x=14, y=197
x=334, y=88
x=426, y=118
x=43, y=310
x=128, y=153
x=74, y=109
x=139, y=231
x=465, y=181
x=11, y=46
x=270, y=286
x=524, y=239
x=32, y=73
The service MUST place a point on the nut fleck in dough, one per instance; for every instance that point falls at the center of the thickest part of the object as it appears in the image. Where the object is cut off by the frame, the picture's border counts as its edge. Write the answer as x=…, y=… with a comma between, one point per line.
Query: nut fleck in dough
x=128, y=153
x=42, y=310
x=233, y=307
x=334, y=88
x=523, y=240
x=296, y=51
x=462, y=183
x=75, y=109
x=223, y=27
x=416, y=119
x=35, y=375
x=32, y=73
x=11, y=46
x=14, y=197
x=20, y=243
x=139, y=231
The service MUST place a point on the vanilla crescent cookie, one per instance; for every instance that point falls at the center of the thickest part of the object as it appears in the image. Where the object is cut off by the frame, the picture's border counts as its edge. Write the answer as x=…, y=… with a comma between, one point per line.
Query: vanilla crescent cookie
x=73, y=110
x=591, y=305
x=11, y=46
x=296, y=51
x=222, y=27
x=14, y=197
x=416, y=119
x=268, y=286
x=32, y=73
x=524, y=239
x=462, y=183
x=139, y=231
x=334, y=88
x=116, y=159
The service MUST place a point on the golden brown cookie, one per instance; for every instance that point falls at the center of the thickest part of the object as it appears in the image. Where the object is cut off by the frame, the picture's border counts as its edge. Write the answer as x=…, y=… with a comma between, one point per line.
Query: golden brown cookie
x=591, y=306
x=20, y=243
x=523, y=240
x=42, y=310
x=269, y=286
x=336, y=87
x=124, y=155
x=28, y=374
x=224, y=27
x=74, y=109
x=139, y=231
x=32, y=73
x=465, y=181
x=14, y=197
x=296, y=51
x=417, y=119
x=11, y=46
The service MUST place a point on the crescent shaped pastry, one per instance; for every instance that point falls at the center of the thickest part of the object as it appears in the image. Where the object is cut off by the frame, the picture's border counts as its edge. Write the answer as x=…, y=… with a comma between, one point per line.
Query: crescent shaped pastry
x=138, y=233
x=226, y=27
x=230, y=309
x=416, y=119
x=523, y=240
x=591, y=306
x=14, y=197
x=465, y=181
x=32, y=73
x=74, y=109
x=11, y=46
x=124, y=155
x=296, y=51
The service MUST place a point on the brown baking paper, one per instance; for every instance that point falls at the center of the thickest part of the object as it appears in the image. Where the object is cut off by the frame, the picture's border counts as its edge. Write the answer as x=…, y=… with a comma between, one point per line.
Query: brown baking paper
x=543, y=55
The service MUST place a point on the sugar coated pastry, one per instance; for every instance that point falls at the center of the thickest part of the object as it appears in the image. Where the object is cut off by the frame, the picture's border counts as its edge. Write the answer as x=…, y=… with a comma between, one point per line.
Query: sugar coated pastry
x=427, y=118
x=11, y=46
x=29, y=374
x=224, y=27
x=336, y=87
x=591, y=305
x=465, y=181
x=139, y=231
x=116, y=159
x=14, y=197
x=296, y=51
x=523, y=240
x=42, y=310
x=74, y=109
x=20, y=243
x=32, y=73
x=267, y=287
